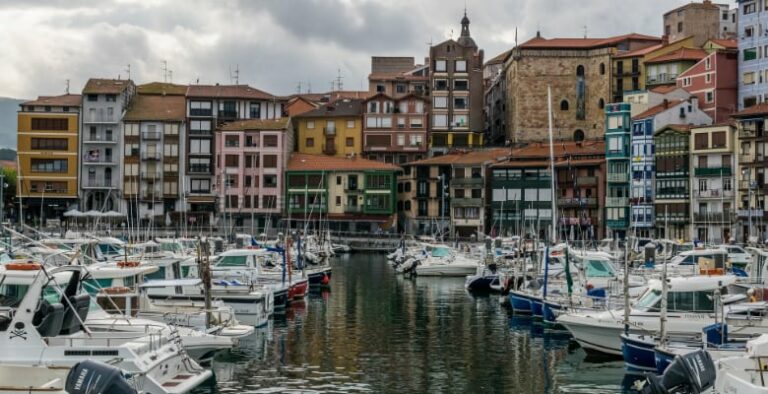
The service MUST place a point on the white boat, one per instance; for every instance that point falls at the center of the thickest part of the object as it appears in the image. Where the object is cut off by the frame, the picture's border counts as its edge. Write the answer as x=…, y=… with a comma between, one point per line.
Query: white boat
x=745, y=373
x=691, y=307
x=442, y=261
x=42, y=330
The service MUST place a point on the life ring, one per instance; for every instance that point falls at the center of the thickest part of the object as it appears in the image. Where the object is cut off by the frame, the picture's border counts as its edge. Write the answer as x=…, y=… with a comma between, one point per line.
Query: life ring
x=25, y=266
x=128, y=264
x=116, y=290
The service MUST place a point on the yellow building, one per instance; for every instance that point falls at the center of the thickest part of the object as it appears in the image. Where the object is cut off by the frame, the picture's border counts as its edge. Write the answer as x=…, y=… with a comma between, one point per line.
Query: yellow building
x=629, y=66
x=47, y=148
x=334, y=129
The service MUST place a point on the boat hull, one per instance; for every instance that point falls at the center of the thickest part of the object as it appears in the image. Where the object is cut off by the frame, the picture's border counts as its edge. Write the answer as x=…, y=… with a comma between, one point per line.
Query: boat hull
x=638, y=353
x=519, y=303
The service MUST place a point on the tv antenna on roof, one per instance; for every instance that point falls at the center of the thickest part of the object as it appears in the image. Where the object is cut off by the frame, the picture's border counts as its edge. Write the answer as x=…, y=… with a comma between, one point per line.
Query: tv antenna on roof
x=236, y=77
x=339, y=80
x=67, y=88
x=585, y=31
x=128, y=70
x=165, y=71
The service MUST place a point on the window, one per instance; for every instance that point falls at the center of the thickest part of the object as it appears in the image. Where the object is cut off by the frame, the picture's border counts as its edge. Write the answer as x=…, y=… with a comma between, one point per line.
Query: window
x=710, y=97
x=200, y=108
x=400, y=88
x=460, y=84
x=200, y=185
x=255, y=110
x=460, y=121
x=270, y=161
x=749, y=54
x=350, y=141
x=199, y=126
x=50, y=124
x=400, y=139
x=338, y=201
x=679, y=27
x=231, y=160
x=93, y=97
x=578, y=135
x=667, y=29
x=748, y=78
x=49, y=143
x=701, y=141
x=310, y=124
x=440, y=120
x=460, y=103
x=564, y=105
x=270, y=141
x=708, y=78
x=171, y=150
x=350, y=124
x=440, y=66
x=461, y=66
x=200, y=146
x=380, y=88
x=602, y=68
x=416, y=123
x=111, y=98
x=441, y=84
x=440, y=102
x=718, y=140
x=270, y=180
x=171, y=129
x=49, y=165
x=310, y=142
x=749, y=8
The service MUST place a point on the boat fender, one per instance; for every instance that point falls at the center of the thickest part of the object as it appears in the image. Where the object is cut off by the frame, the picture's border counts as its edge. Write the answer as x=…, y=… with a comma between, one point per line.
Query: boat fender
x=326, y=280
x=26, y=266
x=128, y=264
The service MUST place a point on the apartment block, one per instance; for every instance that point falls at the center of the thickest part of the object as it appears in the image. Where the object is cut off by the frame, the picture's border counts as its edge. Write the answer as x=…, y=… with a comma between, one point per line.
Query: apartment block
x=395, y=129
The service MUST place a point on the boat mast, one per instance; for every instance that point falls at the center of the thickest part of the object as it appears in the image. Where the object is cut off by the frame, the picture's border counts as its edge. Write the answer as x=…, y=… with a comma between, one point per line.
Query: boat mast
x=663, y=313
x=552, y=164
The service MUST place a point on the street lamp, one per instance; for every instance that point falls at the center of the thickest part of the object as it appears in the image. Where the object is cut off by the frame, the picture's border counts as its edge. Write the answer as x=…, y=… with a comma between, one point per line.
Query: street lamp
x=746, y=172
x=442, y=207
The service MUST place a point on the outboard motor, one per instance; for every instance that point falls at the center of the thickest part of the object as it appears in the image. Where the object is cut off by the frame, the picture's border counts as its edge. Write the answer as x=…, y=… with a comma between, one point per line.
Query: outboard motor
x=692, y=373
x=94, y=377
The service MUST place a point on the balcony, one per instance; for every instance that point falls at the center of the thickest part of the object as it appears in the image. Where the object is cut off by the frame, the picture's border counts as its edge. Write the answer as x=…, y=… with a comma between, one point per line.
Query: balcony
x=204, y=133
x=617, y=154
x=329, y=149
x=150, y=155
x=746, y=158
x=747, y=213
x=232, y=143
x=153, y=194
x=151, y=135
x=199, y=169
x=664, y=78
x=714, y=194
x=90, y=160
x=618, y=178
x=99, y=184
x=466, y=182
x=100, y=139
x=672, y=217
x=200, y=112
x=329, y=131
x=616, y=202
x=466, y=202
x=227, y=114
x=100, y=119
x=617, y=223
x=712, y=171
x=149, y=175
x=712, y=217
x=586, y=181
x=353, y=209
x=574, y=202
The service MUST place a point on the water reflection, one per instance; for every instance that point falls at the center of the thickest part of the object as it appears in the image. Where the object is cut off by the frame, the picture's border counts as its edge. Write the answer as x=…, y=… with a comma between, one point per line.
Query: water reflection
x=374, y=331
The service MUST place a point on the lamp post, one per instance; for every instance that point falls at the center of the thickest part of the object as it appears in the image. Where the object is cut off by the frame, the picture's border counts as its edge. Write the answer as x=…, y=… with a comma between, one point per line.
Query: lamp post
x=746, y=172
x=442, y=207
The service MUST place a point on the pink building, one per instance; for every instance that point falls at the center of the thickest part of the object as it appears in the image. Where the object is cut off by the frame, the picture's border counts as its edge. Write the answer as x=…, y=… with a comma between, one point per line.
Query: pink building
x=714, y=80
x=395, y=130
x=251, y=156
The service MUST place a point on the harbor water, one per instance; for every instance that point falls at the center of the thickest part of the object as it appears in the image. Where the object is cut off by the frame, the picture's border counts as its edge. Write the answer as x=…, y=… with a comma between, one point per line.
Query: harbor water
x=376, y=331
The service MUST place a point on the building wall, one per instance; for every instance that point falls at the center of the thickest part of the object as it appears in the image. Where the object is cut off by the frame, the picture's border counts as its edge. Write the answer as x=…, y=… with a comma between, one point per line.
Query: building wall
x=617, y=155
x=751, y=89
x=26, y=176
x=395, y=131
x=673, y=185
x=694, y=20
x=751, y=177
x=643, y=100
x=714, y=81
x=529, y=73
x=314, y=128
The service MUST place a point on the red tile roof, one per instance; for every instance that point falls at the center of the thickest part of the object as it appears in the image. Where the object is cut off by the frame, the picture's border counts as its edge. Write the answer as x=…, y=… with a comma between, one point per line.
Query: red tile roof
x=500, y=58
x=256, y=124
x=727, y=44
x=162, y=88
x=664, y=89
x=759, y=109
x=582, y=43
x=65, y=100
x=683, y=128
x=339, y=108
x=657, y=109
x=465, y=158
x=638, y=52
x=152, y=107
x=694, y=54
x=307, y=162
x=565, y=152
x=228, y=91
x=105, y=86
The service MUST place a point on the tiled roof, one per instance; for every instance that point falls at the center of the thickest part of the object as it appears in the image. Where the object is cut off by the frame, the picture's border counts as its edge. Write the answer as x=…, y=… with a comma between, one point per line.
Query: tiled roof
x=638, y=52
x=65, y=100
x=338, y=108
x=161, y=88
x=759, y=109
x=256, y=124
x=105, y=86
x=228, y=91
x=581, y=43
x=694, y=54
x=682, y=128
x=727, y=44
x=565, y=152
x=468, y=158
x=657, y=109
x=152, y=107
x=307, y=162
x=500, y=58
x=664, y=89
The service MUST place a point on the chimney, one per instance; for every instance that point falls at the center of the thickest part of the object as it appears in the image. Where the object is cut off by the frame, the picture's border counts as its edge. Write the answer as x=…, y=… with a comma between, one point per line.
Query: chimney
x=665, y=39
x=666, y=103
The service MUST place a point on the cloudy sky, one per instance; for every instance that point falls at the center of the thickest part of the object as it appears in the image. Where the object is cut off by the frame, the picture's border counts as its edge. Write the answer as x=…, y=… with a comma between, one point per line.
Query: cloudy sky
x=276, y=44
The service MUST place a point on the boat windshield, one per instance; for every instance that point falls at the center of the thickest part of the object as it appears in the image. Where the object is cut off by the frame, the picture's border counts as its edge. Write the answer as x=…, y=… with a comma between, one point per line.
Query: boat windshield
x=232, y=261
x=649, y=300
x=110, y=250
x=599, y=269
x=11, y=295
x=171, y=247
x=440, y=252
